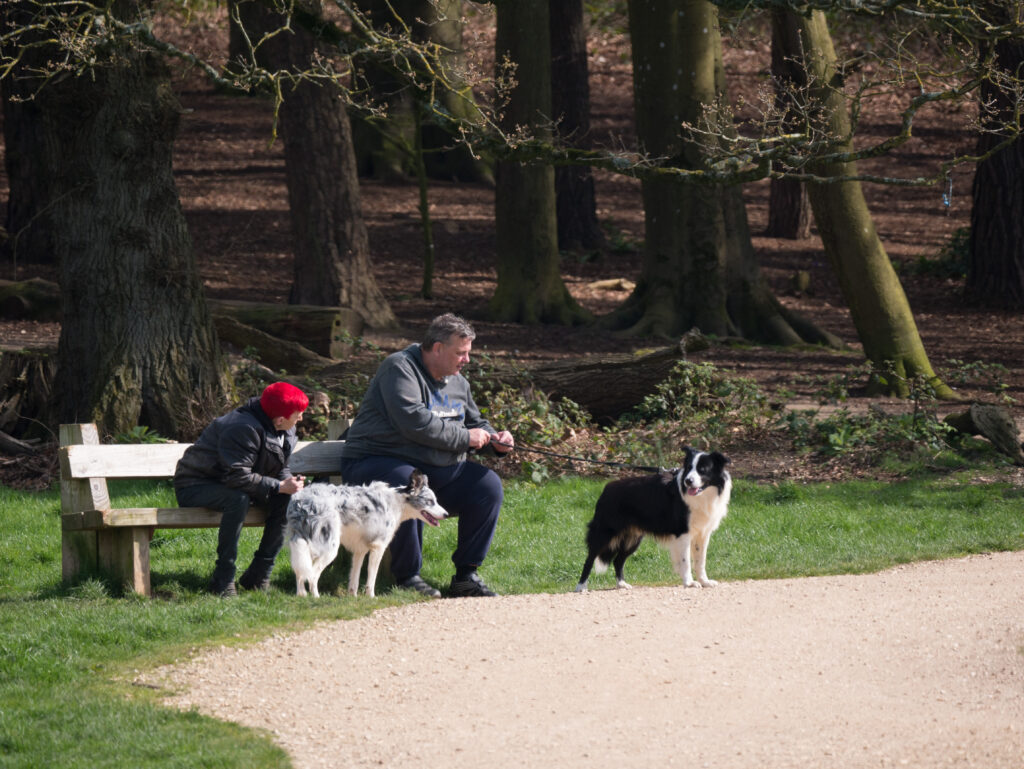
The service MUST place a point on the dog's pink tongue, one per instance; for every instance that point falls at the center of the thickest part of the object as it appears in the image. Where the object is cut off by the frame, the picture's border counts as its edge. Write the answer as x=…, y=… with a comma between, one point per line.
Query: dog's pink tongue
x=693, y=491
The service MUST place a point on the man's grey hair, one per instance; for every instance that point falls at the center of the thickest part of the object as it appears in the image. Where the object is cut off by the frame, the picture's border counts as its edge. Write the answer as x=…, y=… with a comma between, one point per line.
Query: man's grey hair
x=444, y=327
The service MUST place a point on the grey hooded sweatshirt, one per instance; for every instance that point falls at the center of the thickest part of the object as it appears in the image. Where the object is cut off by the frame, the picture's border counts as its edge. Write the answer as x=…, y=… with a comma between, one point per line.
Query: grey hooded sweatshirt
x=408, y=414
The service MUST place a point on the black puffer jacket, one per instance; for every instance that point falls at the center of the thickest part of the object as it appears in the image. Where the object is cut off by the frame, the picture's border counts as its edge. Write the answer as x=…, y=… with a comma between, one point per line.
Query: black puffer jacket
x=241, y=450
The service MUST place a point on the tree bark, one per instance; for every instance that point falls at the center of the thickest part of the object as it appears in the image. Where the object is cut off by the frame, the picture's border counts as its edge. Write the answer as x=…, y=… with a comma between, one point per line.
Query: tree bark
x=870, y=286
x=789, y=208
x=530, y=287
x=576, y=201
x=332, y=249
x=995, y=267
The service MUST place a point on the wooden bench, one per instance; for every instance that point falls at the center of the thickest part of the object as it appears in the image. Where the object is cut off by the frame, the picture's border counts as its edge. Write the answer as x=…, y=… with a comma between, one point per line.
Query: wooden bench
x=96, y=537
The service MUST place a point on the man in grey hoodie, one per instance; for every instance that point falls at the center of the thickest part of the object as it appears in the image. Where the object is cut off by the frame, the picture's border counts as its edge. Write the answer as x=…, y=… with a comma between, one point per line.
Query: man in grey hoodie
x=419, y=413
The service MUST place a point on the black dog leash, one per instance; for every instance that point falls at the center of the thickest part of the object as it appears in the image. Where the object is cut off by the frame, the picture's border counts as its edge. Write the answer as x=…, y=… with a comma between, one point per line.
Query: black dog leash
x=621, y=465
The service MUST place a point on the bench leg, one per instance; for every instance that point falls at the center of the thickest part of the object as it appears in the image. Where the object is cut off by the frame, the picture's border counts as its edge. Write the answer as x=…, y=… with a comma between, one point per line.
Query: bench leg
x=124, y=554
x=79, y=555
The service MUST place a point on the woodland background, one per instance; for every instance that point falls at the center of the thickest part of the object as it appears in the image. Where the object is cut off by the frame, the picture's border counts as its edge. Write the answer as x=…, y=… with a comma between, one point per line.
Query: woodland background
x=229, y=173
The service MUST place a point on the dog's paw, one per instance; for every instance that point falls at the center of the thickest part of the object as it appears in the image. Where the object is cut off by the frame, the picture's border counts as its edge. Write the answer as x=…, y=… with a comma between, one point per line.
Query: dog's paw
x=623, y=585
x=707, y=582
x=581, y=587
x=691, y=583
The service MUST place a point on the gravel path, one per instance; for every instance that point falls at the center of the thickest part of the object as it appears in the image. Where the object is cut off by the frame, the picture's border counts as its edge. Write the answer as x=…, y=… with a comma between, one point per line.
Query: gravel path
x=919, y=666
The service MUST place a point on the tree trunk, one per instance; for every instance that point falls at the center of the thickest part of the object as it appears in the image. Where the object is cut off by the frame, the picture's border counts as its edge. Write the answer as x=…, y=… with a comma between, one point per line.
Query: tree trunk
x=137, y=343
x=789, y=209
x=332, y=249
x=871, y=288
x=699, y=268
x=530, y=287
x=578, y=228
x=995, y=267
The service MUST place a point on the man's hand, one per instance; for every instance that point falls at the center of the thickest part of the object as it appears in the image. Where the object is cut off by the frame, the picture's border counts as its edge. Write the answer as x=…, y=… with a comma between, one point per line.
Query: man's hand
x=293, y=484
x=478, y=438
x=503, y=442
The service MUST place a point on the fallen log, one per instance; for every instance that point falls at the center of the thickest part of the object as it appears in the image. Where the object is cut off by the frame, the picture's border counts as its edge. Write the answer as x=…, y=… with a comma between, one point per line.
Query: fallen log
x=992, y=422
x=607, y=386
x=327, y=331
x=32, y=299
x=14, y=447
x=274, y=353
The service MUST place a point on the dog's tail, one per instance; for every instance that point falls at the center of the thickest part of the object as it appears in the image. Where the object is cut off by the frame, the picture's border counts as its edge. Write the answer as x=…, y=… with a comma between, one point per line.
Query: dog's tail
x=601, y=563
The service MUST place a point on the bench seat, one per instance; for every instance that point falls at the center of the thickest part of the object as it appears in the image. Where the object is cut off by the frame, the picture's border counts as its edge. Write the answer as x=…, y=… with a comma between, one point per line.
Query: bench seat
x=155, y=517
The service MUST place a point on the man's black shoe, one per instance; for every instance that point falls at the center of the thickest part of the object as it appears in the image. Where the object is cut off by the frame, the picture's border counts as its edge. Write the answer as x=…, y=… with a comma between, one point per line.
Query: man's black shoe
x=417, y=583
x=248, y=582
x=470, y=586
x=224, y=591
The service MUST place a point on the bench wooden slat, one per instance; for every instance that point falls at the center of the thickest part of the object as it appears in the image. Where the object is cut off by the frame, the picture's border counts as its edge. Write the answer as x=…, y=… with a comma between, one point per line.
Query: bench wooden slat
x=158, y=460
x=157, y=517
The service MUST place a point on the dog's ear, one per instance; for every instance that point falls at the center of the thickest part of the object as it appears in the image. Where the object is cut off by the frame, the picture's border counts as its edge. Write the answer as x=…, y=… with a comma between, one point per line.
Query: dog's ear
x=417, y=480
x=719, y=459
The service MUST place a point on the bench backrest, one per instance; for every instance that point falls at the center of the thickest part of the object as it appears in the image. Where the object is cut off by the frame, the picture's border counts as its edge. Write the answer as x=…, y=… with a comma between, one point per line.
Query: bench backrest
x=158, y=460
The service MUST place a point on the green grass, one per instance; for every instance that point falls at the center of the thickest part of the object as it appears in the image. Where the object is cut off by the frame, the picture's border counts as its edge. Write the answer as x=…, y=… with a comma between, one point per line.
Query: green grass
x=67, y=654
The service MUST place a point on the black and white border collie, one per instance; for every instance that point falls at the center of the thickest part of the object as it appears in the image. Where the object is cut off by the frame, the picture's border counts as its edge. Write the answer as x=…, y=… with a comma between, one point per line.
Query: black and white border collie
x=680, y=508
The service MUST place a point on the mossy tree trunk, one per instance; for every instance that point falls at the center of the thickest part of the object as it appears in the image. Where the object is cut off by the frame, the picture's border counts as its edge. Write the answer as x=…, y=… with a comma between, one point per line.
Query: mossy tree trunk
x=870, y=286
x=699, y=268
x=530, y=287
x=137, y=343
